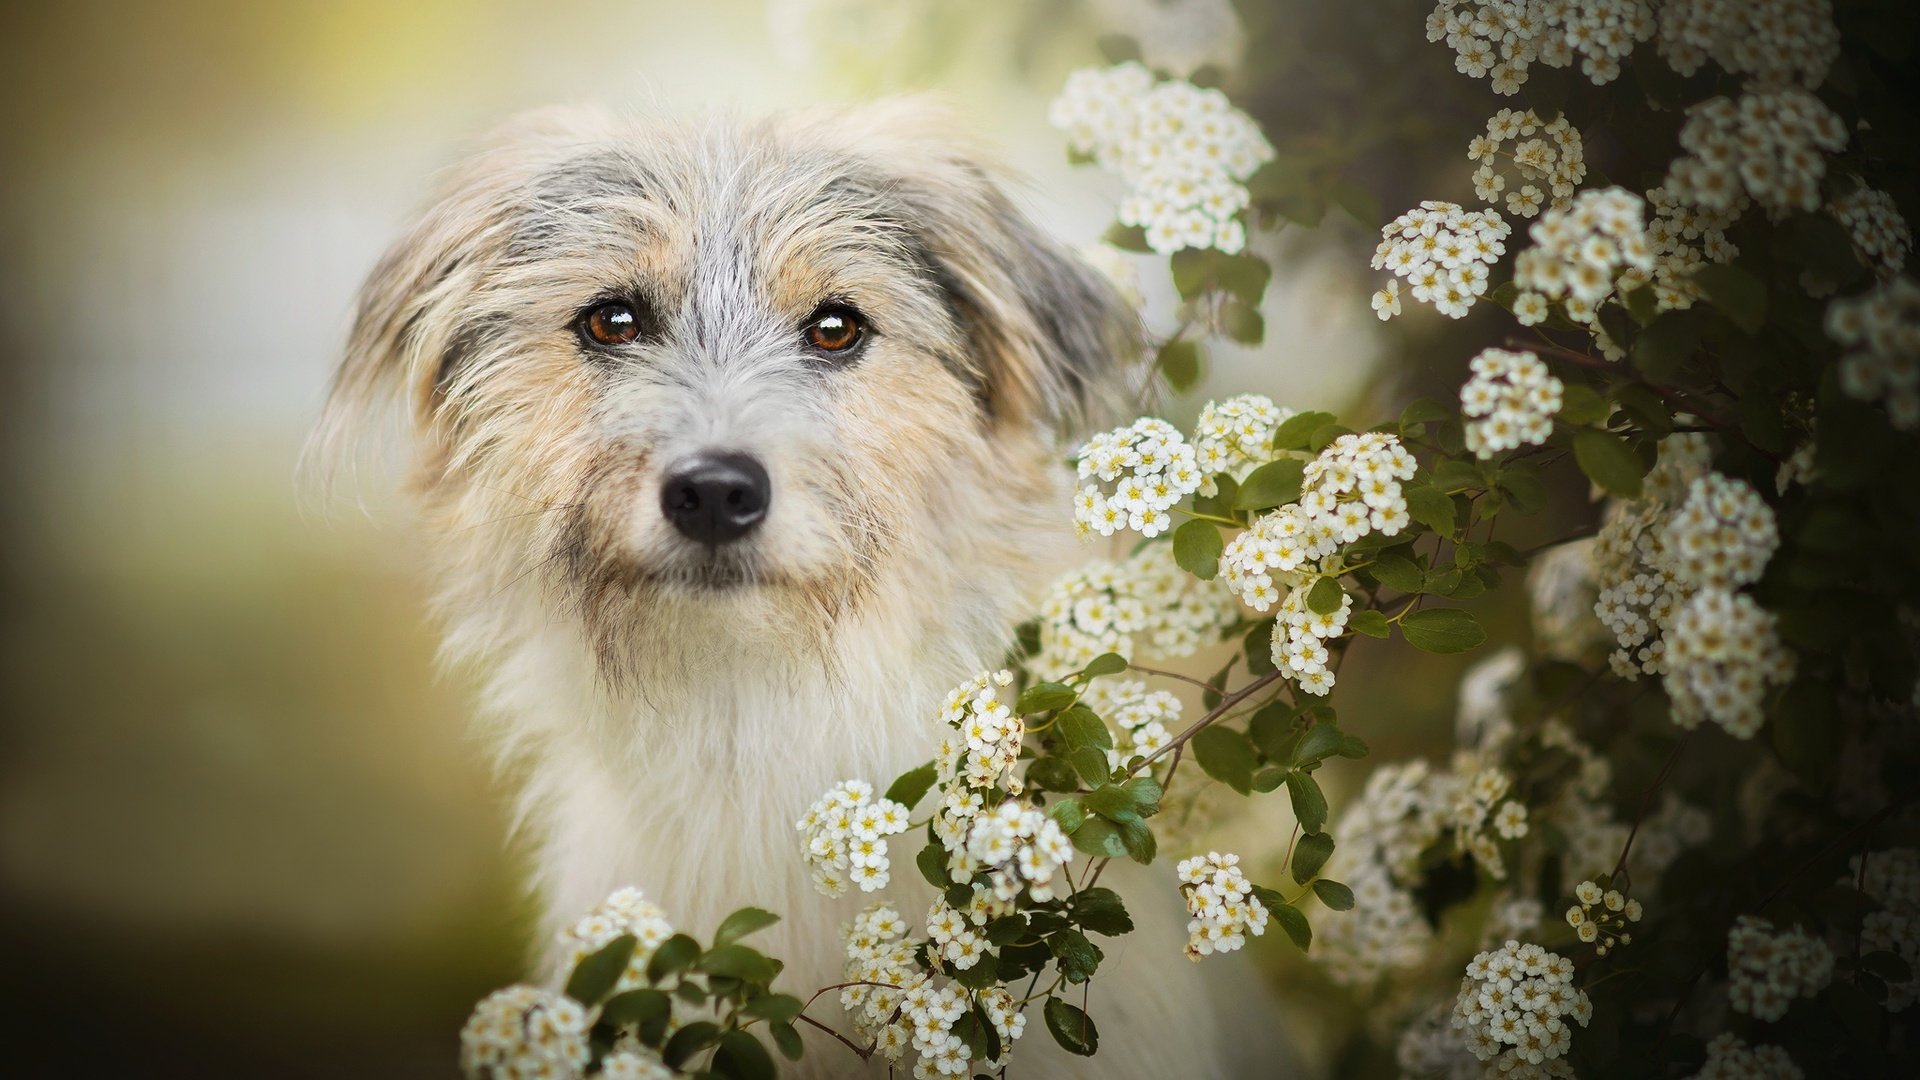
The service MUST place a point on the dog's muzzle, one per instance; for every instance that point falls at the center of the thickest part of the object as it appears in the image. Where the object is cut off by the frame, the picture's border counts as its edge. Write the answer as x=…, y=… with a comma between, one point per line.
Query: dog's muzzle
x=716, y=498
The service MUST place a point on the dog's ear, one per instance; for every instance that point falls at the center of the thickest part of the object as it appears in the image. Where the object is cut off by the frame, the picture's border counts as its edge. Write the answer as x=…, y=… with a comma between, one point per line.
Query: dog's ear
x=408, y=332
x=1049, y=338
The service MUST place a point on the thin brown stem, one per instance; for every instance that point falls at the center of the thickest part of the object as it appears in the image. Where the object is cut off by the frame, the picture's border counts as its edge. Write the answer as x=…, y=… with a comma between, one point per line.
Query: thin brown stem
x=1188, y=679
x=1228, y=702
x=1640, y=815
x=864, y=1052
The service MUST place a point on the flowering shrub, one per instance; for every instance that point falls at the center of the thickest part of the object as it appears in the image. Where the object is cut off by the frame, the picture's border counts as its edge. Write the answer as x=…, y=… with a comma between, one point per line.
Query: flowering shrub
x=1675, y=832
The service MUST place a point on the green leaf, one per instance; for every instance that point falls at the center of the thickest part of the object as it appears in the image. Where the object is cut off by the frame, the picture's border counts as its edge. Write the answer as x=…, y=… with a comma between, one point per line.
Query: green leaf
x=1243, y=323
x=1079, y=958
x=1196, y=547
x=673, y=956
x=1100, y=838
x=1663, y=348
x=1045, y=697
x=1309, y=804
x=1430, y=506
x=1323, y=741
x=1257, y=646
x=1738, y=294
x=1146, y=793
x=1091, y=763
x=1310, y=854
x=1442, y=630
x=1297, y=430
x=1294, y=923
x=1082, y=727
x=789, y=1041
x=689, y=1041
x=909, y=787
x=1608, y=462
x=1100, y=910
x=738, y=962
x=594, y=976
x=1137, y=837
x=1334, y=895
x=1399, y=573
x=1369, y=622
x=1357, y=202
x=1053, y=773
x=778, y=1008
x=1067, y=813
x=1105, y=664
x=1243, y=275
x=1227, y=756
x=1325, y=596
x=1112, y=802
x=741, y=923
x=1276, y=483
x=1192, y=271
x=1118, y=48
x=742, y=1057
x=1071, y=1028
x=932, y=862
x=1127, y=238
x=1422, y=411
x=1580, y=405
x=638, y=1006
x=1179, y=362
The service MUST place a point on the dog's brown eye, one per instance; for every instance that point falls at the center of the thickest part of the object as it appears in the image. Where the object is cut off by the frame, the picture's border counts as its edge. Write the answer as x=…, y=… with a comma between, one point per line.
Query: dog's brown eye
x=612, y=323
x=834, y=329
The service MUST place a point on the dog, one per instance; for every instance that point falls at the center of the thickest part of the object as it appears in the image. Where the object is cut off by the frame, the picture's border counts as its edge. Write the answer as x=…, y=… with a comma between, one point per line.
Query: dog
x=736, y=445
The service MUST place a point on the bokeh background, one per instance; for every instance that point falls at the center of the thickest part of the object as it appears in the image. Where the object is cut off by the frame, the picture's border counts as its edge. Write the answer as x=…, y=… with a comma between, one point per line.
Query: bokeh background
x=242, y=831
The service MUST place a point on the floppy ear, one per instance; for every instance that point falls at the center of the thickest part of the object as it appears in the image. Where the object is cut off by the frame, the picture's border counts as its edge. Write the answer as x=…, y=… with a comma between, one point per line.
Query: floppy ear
x=409, y=331
x=1050, y=338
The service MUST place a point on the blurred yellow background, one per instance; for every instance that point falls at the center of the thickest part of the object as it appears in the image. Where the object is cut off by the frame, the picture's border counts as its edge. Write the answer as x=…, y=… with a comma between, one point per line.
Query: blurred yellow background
x=241, y=829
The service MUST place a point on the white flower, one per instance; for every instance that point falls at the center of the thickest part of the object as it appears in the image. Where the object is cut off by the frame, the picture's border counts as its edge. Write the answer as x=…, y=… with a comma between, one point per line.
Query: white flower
x=636, y=1063
x=1880, y=330
x=1184, y=151
x=1386, y=301
x=1221, y=902
x=1730, y=1059
x=1510, y=401
x=1145, y=606
x=1770, y=146
x=844, y=832
x=1892, y=880
x=525, y=1031
x=1777, y=41
x=1500, y=39
x=1442, y=251
x=1545, y=157
x=1767, y=970
x=1515, y=1004
x=1583, y=252
x=1151, y=466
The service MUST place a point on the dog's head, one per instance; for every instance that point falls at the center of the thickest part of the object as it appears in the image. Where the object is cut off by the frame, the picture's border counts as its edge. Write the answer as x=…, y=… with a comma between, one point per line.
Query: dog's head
x=755, y=367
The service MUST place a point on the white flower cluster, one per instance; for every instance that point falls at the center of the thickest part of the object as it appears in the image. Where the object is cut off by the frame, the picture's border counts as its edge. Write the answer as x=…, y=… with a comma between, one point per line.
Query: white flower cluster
x=1722, y=536
x=845, y=832
x=1547, y=166
x=1770, y=147
x=1561, y=590
x=1607, y=927
x=1730, y=1059
x=1880, y=235
x=634, y=1064
x=1880, y=329
x=1517, y=1001
x=1221, y=901
x=1350, y=490
x=1671, y=561
x=626, y=911
x=1775, y=41
x=1767, y=970
x=1579, y=255
x=1383, y=932
x=1145, y=718
x=1892, y=880
x=1686, y=237
x=1500, y=39
x=1144, y=606
x=1185, y=152
x=1151, y=466
x=1509, y=402
x=525, y=1033
x=985, y=753
x=1235, y=437
x=897, y=1007
x=1444, y=252
x=1019, y=847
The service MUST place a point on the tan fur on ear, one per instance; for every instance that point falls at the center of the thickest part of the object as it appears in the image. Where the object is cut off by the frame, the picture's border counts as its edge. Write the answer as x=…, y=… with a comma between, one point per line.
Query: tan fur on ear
x=1053, y=341
x=407, y=326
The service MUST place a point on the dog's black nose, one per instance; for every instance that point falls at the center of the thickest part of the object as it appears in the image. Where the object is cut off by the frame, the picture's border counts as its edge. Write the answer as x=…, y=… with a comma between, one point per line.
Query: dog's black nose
x=716, y=498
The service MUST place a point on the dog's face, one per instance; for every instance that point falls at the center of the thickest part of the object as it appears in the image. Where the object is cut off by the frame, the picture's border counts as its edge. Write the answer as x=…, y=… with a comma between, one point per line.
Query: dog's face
x=752, y=368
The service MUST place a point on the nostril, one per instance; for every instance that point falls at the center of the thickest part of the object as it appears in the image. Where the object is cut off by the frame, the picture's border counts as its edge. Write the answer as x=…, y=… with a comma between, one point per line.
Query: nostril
x=716, y=498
